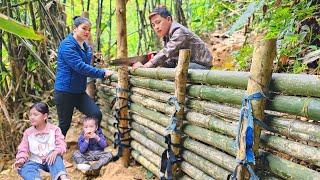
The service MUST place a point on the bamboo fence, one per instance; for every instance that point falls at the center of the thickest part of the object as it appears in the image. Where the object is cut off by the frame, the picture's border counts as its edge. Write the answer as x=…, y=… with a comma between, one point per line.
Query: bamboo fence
x=288, y=150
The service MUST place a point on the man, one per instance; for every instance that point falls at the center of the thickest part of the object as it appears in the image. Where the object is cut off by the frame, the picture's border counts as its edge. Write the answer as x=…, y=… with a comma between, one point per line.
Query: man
x=175, y=37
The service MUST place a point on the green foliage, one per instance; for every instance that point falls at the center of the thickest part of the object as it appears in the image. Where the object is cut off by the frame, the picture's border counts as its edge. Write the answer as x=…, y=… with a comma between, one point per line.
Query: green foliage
x=207, y=15
x=283, y=22
x=298, y=67
x=14, y=27
x=252, y=7
x=243, y=56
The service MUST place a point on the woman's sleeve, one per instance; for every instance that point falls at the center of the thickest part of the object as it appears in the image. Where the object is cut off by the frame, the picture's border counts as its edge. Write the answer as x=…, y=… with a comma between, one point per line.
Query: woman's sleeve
x=74, y=60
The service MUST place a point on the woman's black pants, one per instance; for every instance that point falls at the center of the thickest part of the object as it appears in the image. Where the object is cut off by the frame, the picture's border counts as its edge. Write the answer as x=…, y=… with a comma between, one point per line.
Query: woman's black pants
x=66, y=102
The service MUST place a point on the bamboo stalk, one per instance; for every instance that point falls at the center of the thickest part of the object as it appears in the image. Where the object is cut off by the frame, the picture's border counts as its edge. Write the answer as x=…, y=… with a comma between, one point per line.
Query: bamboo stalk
x=149, y=134
x=164, y=97
x=145, y=162
x=222, y=159
x=187, y=155
x=289, y=127
x=306, y=153
x=186, y=167
x=308, y=107
x=154, y=158
x=205, y=165
x=291, y=84
x=150, y=103
x=150, y=114
x=226, y=161
x=278, y=166
x=148, y=123
x=194, y=172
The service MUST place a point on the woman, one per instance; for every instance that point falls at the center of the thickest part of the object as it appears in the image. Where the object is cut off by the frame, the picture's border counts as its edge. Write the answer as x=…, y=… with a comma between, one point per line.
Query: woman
x=73, y=68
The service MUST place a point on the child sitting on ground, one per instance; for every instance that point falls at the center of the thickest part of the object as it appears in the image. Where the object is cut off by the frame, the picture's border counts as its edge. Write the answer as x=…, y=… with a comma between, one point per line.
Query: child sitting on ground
x=91, y=145
x=42, y=147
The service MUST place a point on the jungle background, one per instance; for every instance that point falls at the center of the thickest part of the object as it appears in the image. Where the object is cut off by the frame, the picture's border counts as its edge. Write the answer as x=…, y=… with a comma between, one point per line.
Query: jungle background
x=30, y=32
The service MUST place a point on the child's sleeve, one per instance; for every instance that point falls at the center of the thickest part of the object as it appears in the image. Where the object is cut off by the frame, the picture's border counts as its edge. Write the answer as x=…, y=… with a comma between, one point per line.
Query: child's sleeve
x=82, y=144
x=61, y=146
x=23, y=149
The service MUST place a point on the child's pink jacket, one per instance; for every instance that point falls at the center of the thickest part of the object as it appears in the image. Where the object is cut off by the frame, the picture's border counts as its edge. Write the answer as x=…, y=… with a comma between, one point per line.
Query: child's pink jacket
x=36, y=145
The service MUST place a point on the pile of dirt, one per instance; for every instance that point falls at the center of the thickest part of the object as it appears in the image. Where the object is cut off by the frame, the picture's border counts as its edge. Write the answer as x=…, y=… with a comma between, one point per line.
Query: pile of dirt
x=222, y=48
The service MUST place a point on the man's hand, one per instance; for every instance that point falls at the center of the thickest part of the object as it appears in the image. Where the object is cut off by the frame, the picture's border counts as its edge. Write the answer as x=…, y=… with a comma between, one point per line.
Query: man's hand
x=148, y=65
x=137, y=65
x=51, y=158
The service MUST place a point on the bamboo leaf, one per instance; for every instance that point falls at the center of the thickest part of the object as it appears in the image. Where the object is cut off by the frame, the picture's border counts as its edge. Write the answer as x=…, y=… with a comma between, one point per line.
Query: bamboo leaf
x=252, y=7
x=12, y=26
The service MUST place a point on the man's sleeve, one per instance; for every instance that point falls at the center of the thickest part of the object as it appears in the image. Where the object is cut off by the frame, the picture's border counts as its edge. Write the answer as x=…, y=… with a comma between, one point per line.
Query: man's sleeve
x=178, y=41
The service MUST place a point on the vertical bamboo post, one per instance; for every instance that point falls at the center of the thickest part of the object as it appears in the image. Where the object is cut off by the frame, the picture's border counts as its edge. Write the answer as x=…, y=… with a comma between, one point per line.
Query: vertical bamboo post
x=123, y=80
x=181, y=74
x=260, y=76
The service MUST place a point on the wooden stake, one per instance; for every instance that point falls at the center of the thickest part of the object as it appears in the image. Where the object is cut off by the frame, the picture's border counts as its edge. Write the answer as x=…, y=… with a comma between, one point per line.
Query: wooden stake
x=123, y=82
x=260, y=76
x=123, y=79
x=180, y=94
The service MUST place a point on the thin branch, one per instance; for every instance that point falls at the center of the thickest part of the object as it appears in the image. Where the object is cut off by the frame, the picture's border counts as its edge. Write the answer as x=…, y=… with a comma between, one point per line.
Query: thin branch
x=37, y=57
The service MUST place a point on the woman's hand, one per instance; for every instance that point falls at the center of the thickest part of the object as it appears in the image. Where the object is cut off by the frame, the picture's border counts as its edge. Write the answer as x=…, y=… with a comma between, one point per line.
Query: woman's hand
x=108, y=73
x=51, y=158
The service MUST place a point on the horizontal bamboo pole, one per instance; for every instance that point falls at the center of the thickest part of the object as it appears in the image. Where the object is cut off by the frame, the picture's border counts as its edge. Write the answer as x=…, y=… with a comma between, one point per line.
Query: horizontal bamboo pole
x=150, y=124
x=215, y=156
x=194, y=172
x=279, y=166
x=306, y=153
x=222, y=159
x=308, y=107
x=145, y=162
x=296, y=129
x=150, y=103
x=188, y=156
x=164, y=97
x=159, y=139
x=293, y=84
x=205, y=165
x=150, y=114
x=154, y=159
